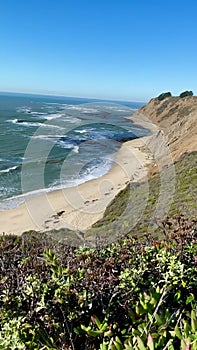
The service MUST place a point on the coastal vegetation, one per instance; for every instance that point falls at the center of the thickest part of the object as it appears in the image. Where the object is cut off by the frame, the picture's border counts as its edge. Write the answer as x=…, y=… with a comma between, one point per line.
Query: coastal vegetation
x=164, y=95
x=132, y=294
x=186, y=93
x=184, y=200
x=138, y=292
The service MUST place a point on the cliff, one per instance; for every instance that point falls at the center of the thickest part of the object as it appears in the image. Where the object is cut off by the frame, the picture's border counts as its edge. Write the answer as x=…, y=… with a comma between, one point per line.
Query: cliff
x=173, y=145
x=176, y=118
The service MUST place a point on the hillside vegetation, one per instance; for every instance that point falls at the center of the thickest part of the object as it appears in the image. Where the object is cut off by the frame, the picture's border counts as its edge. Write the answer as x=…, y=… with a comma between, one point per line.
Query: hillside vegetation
x=131, y=281
x=129, y=202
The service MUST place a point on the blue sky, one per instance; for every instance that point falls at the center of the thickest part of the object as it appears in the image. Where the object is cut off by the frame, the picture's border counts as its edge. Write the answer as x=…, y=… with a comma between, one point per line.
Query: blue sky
x=127, y=50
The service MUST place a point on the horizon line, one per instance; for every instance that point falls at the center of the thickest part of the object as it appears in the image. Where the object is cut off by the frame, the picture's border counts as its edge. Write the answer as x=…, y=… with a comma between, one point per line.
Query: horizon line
x=79, y=97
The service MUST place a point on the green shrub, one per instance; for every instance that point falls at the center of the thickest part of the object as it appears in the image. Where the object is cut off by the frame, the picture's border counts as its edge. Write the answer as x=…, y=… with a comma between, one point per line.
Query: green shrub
x=132, y=294
x=164, y=95
x=186, y=93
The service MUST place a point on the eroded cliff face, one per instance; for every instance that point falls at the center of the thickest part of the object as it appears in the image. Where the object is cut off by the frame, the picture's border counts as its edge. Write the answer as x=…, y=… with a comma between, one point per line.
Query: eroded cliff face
x=175, y=119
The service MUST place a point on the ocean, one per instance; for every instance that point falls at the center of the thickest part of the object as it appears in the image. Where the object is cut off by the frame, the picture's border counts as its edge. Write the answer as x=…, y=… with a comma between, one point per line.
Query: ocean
x=51, y=142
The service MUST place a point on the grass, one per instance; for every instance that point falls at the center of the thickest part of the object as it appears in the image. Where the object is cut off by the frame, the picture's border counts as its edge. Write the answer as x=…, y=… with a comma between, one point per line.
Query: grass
x=135, y=206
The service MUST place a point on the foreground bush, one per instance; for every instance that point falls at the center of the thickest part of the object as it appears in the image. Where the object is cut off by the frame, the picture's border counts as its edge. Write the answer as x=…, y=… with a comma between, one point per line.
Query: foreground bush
x=129, y=295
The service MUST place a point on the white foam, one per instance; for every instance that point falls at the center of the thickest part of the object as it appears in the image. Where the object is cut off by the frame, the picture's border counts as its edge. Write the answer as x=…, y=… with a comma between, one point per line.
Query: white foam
x=34, y=124
x=54, y=116
x=9, y=169
x=90, y=110
x=52, y=126
x=47, y=137
x=23, y=109
x=117, y=108
x=83, y=109
x=14, y=121
x=83, y=131
x=67, y=145
x=63, y=116
x=39, y=113
x=93, y=173
x=15, y=201
x=76, y=149
x=72, y=120
x=56, y=138
x=56, y=104
x=75, y=108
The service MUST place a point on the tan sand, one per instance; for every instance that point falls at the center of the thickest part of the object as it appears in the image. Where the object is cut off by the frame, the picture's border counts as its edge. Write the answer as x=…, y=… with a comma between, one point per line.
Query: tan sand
x=81, y=206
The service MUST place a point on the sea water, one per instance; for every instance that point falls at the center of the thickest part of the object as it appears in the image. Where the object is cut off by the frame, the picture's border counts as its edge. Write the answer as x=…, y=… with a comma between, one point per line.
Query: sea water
x=50, y=142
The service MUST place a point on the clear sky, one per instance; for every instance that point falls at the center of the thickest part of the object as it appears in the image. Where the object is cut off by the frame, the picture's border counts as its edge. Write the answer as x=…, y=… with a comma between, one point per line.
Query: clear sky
x=113, y=49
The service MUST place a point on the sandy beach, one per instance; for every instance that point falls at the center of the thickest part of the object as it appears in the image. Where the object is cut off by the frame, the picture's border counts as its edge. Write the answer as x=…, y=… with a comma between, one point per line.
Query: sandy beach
x=81, y=206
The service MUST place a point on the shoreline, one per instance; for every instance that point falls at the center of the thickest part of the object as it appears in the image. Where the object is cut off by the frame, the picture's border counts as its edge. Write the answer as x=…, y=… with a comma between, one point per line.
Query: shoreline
x=79, y=207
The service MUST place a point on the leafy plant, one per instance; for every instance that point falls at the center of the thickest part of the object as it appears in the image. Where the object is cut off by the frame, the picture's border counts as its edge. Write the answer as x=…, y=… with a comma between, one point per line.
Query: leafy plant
x=133, y=294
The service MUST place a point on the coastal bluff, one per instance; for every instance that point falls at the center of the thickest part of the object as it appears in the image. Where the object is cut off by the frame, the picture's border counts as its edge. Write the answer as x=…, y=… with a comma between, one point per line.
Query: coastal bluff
x=176, y=117
x=172, y=173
